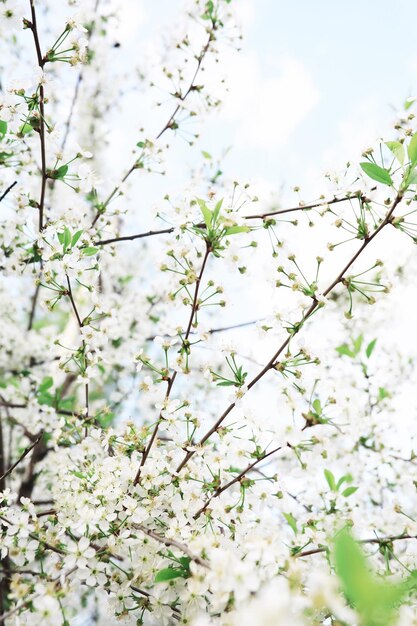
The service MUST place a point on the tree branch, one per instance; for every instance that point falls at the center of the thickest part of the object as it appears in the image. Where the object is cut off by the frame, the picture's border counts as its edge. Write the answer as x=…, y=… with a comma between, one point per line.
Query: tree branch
x=273, y=360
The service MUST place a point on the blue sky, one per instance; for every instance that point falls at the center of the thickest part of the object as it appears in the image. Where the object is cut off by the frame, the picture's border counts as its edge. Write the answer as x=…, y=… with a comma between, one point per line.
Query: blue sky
x=315, y=83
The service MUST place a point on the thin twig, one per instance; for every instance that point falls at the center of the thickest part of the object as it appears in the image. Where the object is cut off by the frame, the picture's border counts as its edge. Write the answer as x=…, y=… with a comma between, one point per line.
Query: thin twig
x=234, y=480
x=273, y=360
x=258, y=216
x=22, y=456
x=41, y=62
x=171, y=543
x=169, y=123
x=8, y=190
x=171, y=380
x=378, y=540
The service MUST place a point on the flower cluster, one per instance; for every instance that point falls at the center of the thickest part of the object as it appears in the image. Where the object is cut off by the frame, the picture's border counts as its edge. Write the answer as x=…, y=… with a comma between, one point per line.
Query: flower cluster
x=195, y=416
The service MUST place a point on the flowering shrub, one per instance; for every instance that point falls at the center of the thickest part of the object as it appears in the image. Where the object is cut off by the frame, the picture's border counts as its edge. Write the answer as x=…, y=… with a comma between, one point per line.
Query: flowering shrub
x=164, y=457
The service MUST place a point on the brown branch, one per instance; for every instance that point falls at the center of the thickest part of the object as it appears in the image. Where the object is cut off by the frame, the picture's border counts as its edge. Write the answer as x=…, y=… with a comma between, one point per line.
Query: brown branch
x=8, y=190
x=171, y=380
x=273, y=360
x=169, y=123
x=22, y=456
x=149, y=233
x=41, y=62
x=234, y=480
x=33, y=306
x=78, y=83
x=378, y=540
x=71, y=297
x=258, y=216
x=171, y=543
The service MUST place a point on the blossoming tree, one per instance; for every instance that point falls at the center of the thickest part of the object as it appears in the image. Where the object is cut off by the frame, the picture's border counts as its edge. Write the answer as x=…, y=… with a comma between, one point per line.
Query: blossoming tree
x=164, y=457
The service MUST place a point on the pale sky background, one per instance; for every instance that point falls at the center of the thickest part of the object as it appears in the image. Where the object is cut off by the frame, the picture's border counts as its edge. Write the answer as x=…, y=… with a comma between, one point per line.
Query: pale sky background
x=316, y=82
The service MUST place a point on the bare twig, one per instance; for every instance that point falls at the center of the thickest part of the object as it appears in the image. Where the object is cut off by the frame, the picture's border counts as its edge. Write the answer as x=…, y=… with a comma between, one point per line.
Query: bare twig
x=22, y=456
x=171, y=379
x=258, y=216
x=8, y=190
x=378, y=540
x=273, y=360
x=171, y=543
x=234, y=480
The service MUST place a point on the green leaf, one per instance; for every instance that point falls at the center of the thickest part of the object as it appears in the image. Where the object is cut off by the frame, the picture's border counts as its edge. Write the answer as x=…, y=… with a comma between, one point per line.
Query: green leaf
x=206, y=155
x=89, y=251
x=370, y=348
x=411, y=178
x=46, y=398
x=3, y=128
x=291, y=521
x=233, y=230
x=380, y=174
x=397, y=150
x=344, y=350
x=207, y=214
x=46, y=383
x=76, y=237
x=169, y=573
x=331, y=481
x=317, y=406
x=409, y=102
x=375, y=602
x=412, y=149
x=216, y=211
x=347, y=478
x=357, y=344
x=25, y=129
x=349, y=491
x=383, y=393
x=60, y=173
x=67, y=238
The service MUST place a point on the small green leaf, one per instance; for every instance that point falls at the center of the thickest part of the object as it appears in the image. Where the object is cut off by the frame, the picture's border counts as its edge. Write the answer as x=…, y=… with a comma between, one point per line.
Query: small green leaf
x=233, y=230
x=397, y=150
x=347, y=478
x=344, y=350
x=383, y=393
x=169, y=573
x=89, y=251
x=292, y=522
x=206, y=155
x=76, y=237
x=317, y=406
x=412, y=149
x=60, y=173
x=370, y=348
x=207, y=214
x=409, y=102
x=357, y=344
x=25, y=129
x=380, y=174
x=349, y=491
x=3, y=128
x=411, y=177
x=46, y=383
x=67, y=238
x=331, y=481
x=216, y=211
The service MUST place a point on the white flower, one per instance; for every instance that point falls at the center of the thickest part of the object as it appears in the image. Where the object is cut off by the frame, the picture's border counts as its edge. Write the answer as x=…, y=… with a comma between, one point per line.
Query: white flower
x=79, y=553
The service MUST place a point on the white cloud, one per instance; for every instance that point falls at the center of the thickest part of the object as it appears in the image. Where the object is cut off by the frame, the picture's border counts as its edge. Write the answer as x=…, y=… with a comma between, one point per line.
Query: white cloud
x=267, y=109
